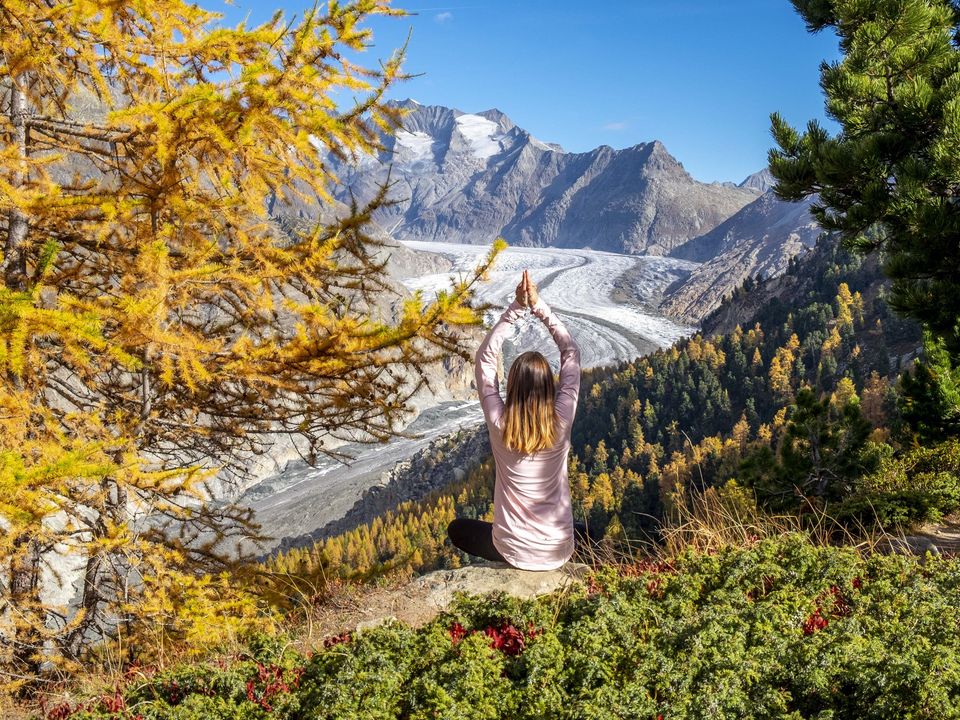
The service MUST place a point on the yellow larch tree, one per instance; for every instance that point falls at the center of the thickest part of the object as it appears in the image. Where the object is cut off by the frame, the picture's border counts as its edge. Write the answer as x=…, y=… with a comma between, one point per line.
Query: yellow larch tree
x=741, y=432
x=845, y=393
x=845, y=306
x=782, y=367
x=873, y=399
x=157, y=322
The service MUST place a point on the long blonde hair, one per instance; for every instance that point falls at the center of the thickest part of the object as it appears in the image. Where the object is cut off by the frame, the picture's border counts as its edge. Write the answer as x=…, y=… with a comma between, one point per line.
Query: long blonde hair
x=529, y=422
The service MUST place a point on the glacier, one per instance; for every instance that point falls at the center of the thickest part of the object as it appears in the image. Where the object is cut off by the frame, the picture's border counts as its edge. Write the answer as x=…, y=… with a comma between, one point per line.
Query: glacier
x=604, y=298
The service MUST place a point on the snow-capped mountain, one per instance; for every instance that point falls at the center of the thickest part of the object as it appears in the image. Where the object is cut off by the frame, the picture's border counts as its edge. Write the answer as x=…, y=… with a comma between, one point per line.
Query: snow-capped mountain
x=469, y=177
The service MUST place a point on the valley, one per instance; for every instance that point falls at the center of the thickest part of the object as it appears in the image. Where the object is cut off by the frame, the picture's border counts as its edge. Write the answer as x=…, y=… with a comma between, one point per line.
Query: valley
x=605, y=300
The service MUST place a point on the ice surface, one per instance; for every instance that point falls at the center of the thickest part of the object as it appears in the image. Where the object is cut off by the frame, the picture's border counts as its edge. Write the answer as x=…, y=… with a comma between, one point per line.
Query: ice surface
x=481, y=134
x=412, y=146
x=654, y=273
x=302, y=498
x=579, y=285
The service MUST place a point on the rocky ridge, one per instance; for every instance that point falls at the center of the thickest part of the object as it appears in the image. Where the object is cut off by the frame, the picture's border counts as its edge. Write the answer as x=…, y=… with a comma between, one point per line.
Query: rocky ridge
x=762, y=180
x=756, y=242
x=468, y=177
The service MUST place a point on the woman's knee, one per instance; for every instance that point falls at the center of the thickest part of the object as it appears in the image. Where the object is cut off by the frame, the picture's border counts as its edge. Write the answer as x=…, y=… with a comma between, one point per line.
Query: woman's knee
x=455, y=530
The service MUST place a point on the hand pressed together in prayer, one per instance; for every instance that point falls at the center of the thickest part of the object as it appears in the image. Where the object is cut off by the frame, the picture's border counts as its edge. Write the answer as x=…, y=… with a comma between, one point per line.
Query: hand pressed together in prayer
x=527, y=293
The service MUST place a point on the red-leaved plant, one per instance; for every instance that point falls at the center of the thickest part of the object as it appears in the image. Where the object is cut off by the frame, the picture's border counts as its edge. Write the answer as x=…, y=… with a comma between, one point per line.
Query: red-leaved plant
x=839, y=607
x=504, y=637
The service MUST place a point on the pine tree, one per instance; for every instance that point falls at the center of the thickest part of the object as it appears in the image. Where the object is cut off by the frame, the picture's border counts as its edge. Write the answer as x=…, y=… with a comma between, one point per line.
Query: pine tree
x=158, y=323
x=822, y=450
x=888, y=180
x=929, y=398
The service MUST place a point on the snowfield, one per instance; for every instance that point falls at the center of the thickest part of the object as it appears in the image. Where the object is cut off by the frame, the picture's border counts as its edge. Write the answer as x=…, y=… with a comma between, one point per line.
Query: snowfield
x=482, y=135
x=413, y=146
x=603, y=298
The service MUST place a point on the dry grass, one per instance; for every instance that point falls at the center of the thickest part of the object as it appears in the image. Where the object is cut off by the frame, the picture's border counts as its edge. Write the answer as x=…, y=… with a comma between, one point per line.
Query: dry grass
x=9, y=710
x=709, y=521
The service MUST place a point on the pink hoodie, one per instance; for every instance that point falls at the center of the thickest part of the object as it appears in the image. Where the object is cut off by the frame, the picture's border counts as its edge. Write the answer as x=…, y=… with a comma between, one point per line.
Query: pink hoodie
x=532, y=514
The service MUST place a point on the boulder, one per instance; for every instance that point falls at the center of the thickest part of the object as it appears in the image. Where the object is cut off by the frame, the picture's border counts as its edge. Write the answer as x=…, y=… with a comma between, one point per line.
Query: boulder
x=423, y=598
x=437, y=589
x=909, y=545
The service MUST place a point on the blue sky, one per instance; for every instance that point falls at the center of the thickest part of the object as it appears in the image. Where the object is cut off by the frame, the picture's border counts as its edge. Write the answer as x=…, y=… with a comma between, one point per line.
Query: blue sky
x=702, y=76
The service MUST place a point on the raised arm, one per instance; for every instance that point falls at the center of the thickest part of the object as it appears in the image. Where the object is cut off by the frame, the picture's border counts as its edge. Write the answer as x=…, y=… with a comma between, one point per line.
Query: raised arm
x=568, y=390
x=486, y=363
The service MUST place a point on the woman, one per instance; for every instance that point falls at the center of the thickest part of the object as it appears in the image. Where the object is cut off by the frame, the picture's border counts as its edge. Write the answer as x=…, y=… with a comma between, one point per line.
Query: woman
x=532, y=525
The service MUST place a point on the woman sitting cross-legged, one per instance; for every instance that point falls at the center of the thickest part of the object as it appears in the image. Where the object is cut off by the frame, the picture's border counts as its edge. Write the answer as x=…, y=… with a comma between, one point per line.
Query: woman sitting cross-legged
x=533, y=526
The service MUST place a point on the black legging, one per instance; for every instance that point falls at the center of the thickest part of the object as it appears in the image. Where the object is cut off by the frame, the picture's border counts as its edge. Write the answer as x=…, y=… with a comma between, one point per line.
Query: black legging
x=476, y=537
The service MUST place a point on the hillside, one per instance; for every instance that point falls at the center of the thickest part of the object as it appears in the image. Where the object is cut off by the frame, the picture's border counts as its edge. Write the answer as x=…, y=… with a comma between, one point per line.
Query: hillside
x=757, y=242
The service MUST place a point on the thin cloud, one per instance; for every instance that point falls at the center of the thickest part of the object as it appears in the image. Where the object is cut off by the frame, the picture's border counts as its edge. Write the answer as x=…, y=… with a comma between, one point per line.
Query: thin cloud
x=618, y=125
x=443, y=17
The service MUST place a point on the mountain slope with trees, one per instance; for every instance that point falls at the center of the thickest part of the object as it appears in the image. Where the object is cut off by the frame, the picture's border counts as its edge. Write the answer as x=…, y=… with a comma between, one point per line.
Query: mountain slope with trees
x=888, y=182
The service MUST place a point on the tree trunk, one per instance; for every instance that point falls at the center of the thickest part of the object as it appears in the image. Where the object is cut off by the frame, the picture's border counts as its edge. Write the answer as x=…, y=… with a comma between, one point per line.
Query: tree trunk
x=25, y=563
x=25, y=600
x=99, y=580
x=14, y=266
x=72, y=645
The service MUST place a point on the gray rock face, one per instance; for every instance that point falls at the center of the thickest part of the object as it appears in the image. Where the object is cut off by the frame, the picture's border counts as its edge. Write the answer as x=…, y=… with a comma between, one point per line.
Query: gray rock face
x=758, y=241
x=462, y=177
x=423, y=598
x=440, y=587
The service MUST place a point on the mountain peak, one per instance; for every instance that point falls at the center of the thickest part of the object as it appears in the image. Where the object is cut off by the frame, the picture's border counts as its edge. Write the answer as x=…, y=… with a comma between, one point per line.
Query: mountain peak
x=659, y=151
x=654, y=154
x=493, y=114
x=762, y=181
x=483, y=134
x=499, y=117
